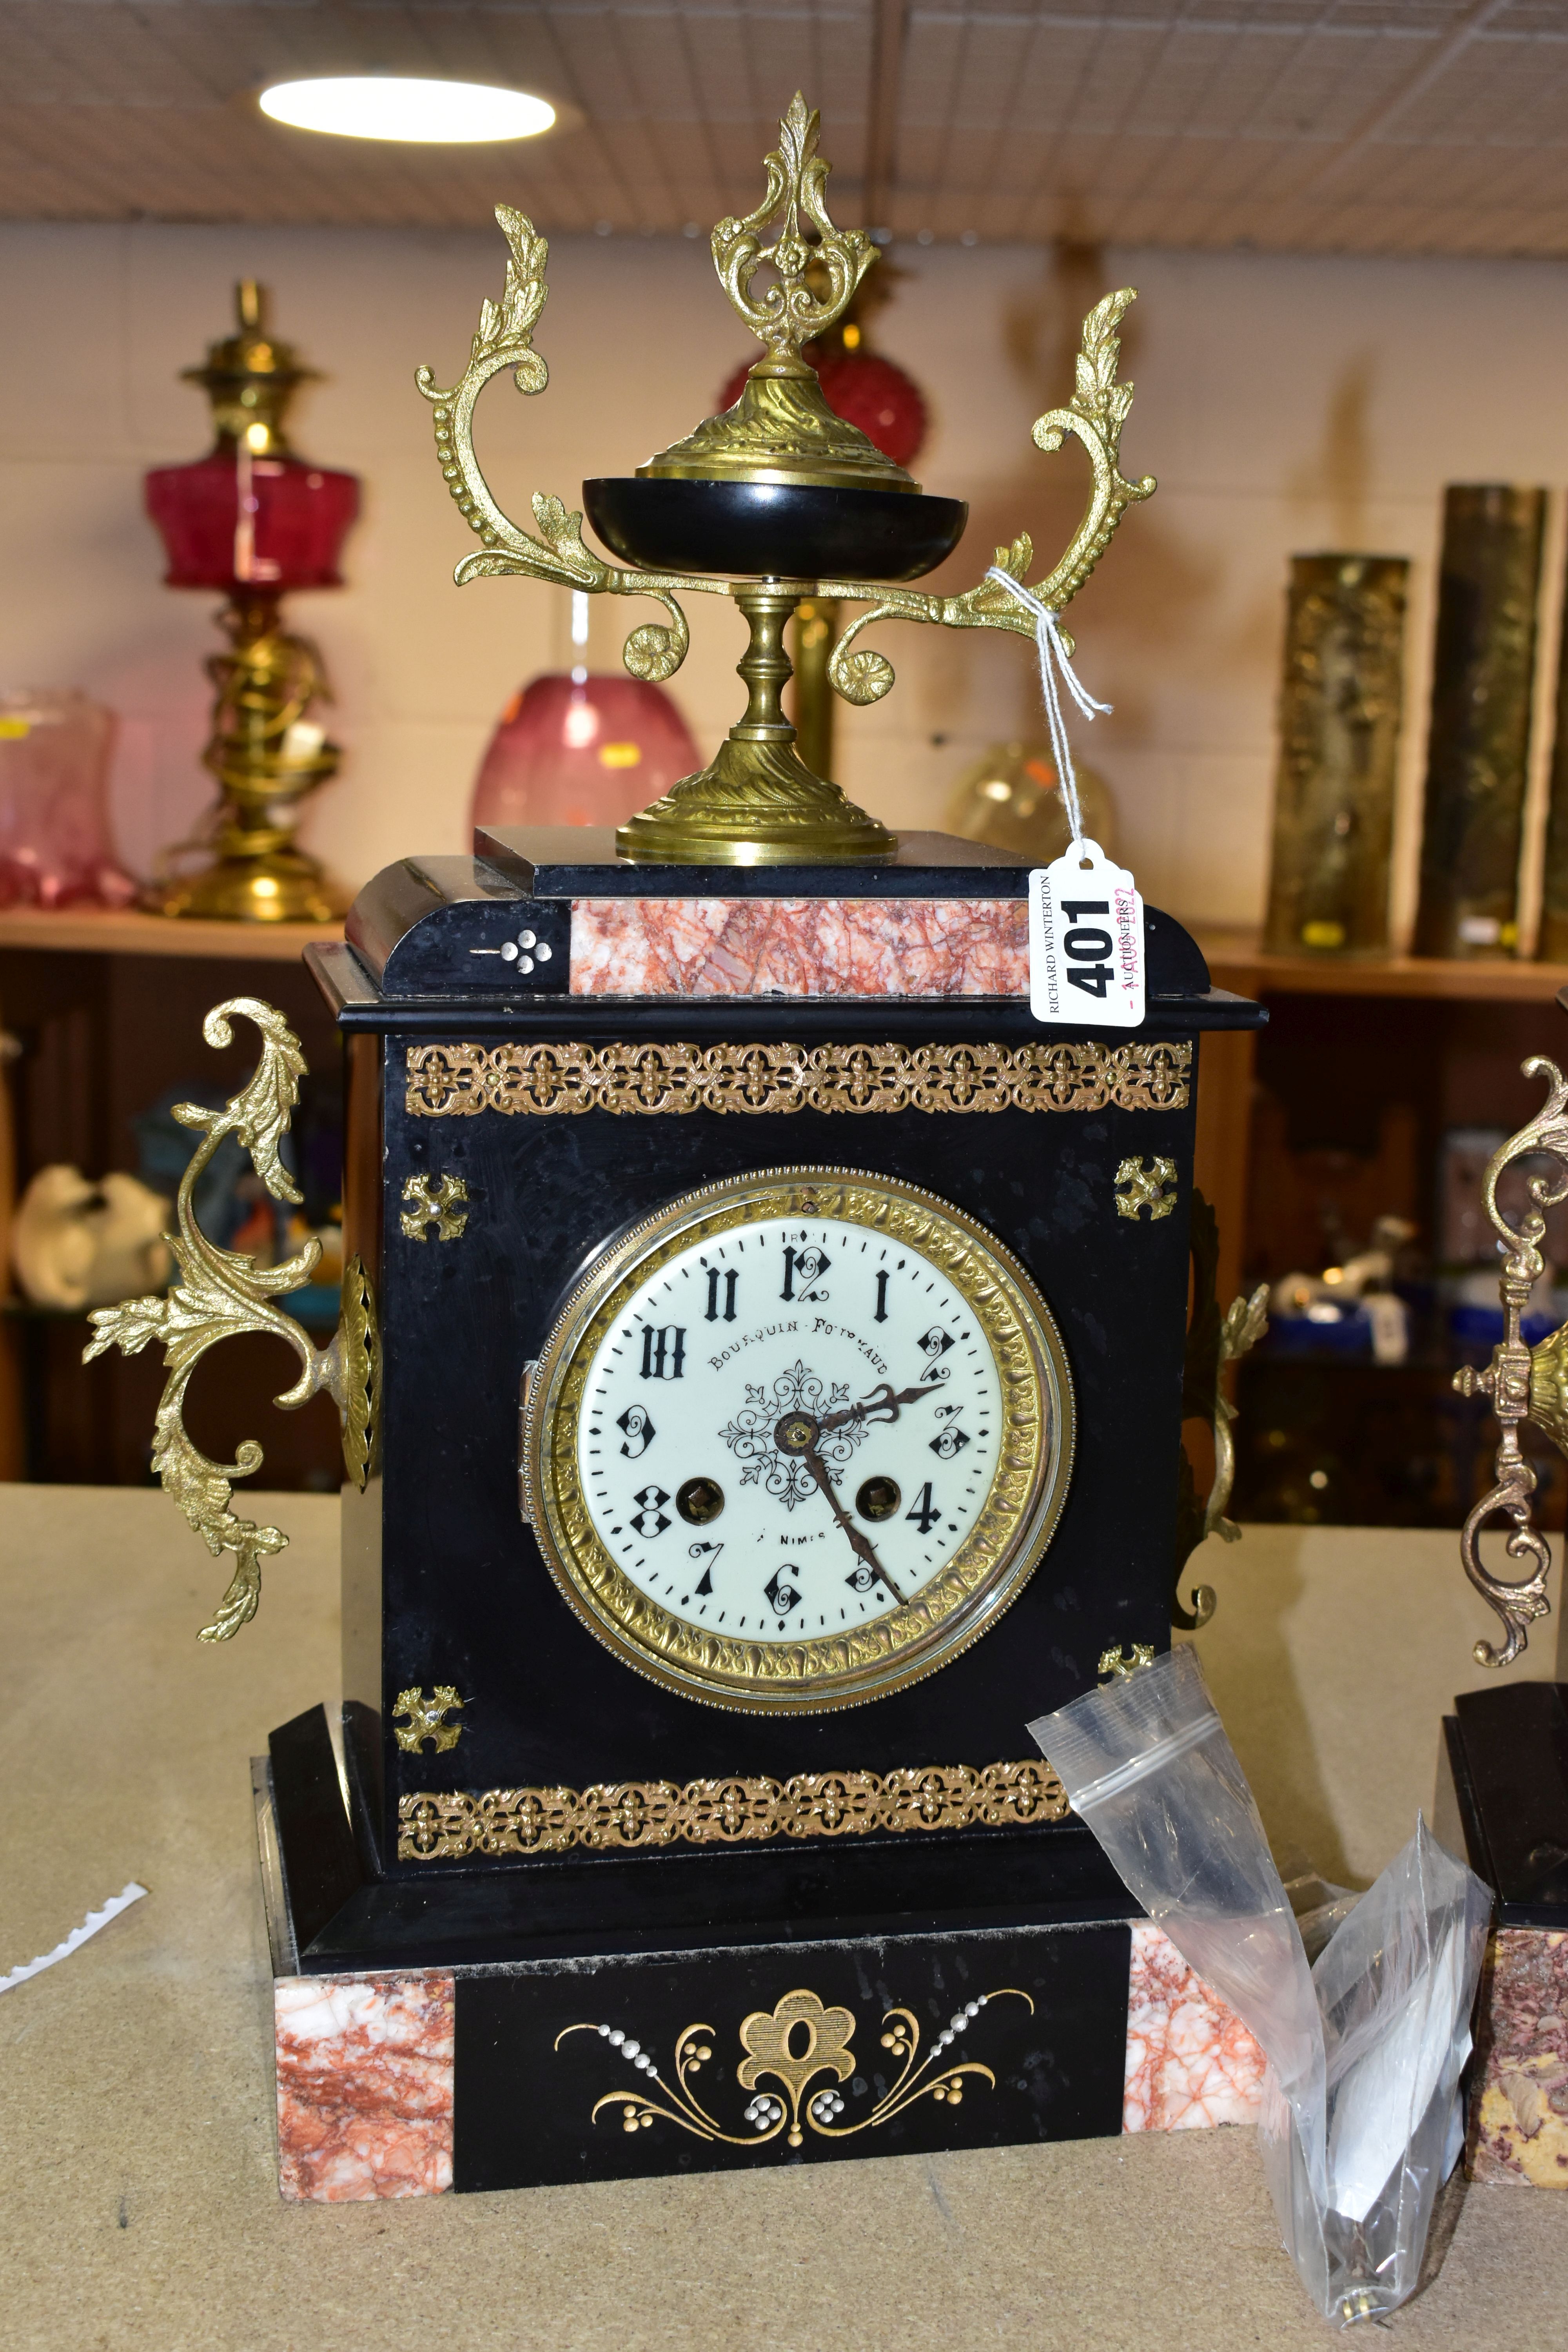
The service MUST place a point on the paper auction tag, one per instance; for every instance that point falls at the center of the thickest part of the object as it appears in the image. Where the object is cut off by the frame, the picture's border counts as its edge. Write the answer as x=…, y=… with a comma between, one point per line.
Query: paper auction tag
x=1085, y=941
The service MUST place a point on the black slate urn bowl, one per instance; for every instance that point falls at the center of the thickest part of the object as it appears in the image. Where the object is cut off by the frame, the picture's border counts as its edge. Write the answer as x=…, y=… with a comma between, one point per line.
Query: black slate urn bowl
x=773, y=531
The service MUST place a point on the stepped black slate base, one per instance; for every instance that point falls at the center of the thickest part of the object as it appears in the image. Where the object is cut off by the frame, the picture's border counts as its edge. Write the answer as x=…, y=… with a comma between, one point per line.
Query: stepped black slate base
x=507, y=2042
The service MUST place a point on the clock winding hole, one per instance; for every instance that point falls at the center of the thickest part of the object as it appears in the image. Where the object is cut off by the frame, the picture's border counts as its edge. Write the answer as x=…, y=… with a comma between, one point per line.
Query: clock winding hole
x=878, y=1499
x=700, y=1501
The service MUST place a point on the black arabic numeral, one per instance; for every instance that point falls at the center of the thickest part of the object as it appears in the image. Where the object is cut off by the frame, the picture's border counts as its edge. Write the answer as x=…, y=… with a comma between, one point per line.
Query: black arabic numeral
x=810, y=1264
x=637, y=1430
x=925, y=1513
x=1084, y=949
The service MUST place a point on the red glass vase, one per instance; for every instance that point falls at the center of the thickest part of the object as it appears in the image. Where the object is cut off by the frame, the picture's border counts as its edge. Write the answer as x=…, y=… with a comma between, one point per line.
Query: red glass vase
x=588, y=751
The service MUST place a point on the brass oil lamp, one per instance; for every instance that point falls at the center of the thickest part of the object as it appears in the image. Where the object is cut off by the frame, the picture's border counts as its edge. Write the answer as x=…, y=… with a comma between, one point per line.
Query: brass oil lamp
x=253, y=521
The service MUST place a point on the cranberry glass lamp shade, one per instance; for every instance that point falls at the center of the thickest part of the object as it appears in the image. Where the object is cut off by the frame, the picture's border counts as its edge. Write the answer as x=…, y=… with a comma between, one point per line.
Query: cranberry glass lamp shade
x=54, y=843
x=233, y=521
x=585, y=751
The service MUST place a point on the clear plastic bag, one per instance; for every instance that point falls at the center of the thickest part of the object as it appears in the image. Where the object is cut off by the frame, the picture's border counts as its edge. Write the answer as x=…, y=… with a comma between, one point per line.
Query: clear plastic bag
x=1365, y=2049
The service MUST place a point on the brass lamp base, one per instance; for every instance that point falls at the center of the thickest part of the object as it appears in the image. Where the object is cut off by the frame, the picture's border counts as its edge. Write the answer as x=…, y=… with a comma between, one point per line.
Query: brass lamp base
x=266, y=758
x=757, y=804
x=280, y=885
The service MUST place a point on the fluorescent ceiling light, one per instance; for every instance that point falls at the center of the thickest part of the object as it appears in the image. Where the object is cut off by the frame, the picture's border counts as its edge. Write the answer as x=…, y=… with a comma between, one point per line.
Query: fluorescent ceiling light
x=381, y=106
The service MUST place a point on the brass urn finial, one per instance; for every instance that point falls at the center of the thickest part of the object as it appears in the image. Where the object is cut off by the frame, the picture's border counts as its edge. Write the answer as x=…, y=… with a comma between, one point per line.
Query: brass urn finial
x=790, y=313
x=781, y=429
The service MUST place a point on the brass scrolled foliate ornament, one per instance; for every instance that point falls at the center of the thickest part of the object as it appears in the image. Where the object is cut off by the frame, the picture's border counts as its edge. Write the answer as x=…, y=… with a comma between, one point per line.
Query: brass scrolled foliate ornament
x=1522, y=1384
x=505, y=339
x=1095, y=415
x=222, y=1293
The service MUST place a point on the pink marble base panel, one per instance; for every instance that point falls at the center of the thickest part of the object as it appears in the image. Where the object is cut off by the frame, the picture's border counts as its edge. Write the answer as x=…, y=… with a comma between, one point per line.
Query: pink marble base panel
x=1191, y=2063
x=1519, y=2100
x=800, y=947
x=365, y=2086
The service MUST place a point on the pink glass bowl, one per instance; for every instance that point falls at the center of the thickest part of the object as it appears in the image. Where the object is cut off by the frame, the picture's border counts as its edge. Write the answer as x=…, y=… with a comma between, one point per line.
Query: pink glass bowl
x=592, y=751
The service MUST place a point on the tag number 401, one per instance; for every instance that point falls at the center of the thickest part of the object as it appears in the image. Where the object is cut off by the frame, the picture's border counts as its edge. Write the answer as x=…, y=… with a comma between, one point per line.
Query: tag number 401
x=1086, y=946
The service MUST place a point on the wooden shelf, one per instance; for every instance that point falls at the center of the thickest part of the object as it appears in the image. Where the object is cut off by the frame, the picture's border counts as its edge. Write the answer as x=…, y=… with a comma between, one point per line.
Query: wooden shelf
x=1236, y=961
x=108, y=930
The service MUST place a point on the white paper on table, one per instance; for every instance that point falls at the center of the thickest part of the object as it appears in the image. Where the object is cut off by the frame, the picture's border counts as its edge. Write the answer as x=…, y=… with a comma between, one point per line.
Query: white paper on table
x=129, y=1893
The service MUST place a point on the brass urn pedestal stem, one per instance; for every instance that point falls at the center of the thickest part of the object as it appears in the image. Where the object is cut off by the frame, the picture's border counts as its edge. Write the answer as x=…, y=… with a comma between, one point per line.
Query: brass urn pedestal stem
x=757, y=804
x=265, y=757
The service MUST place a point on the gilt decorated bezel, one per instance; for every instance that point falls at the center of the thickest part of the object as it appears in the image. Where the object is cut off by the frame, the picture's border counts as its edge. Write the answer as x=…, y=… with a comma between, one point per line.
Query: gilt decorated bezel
x=985, y=1574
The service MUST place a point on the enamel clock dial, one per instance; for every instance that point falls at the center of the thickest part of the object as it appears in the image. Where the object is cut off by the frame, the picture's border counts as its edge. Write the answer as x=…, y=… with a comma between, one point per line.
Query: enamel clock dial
x=797, y=1440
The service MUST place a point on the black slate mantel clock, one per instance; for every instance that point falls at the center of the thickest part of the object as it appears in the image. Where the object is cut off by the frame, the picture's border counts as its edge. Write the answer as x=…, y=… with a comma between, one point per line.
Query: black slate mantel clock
x=762, y=1377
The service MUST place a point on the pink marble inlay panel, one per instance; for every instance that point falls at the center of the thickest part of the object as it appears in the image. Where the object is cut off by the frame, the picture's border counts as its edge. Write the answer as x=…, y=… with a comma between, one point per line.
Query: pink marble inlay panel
x=1190, y=2061
x=800, y=947
x=365, y=2086
x=1519, y=2106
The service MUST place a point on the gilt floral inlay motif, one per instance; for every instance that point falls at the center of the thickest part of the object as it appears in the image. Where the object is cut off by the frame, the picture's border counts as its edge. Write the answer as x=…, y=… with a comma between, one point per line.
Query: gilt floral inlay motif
x=769, y=2038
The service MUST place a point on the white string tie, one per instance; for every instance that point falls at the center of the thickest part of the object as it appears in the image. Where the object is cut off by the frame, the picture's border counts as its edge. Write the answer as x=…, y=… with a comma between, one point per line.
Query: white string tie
x=1055, y=658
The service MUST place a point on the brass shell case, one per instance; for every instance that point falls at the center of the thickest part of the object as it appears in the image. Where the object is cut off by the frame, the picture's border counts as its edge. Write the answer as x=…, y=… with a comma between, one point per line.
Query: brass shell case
x=1479, y=743
x=1339, y=705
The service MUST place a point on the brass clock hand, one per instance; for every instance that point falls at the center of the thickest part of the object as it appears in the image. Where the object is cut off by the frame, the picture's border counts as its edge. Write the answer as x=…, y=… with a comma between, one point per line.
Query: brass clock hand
x=861, y=1544
x=880, y=1405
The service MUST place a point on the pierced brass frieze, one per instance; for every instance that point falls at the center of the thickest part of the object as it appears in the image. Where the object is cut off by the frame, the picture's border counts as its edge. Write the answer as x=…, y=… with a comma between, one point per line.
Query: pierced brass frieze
x=459, y=1081
x=439, y=1827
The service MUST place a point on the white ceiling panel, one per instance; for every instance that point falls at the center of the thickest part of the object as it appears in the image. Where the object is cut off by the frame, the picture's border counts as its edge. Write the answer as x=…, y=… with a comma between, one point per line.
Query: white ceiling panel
x=1377, y=126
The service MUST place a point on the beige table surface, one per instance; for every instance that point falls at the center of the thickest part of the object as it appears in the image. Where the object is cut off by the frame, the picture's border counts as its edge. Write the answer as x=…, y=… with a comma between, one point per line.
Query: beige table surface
x=135, y=2093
